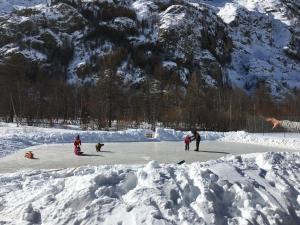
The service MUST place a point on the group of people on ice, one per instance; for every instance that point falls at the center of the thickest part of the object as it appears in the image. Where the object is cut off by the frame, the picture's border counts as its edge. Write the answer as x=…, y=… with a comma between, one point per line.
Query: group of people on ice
x=286, y=124
x=188, y=139
x=289, y=125
x=77, y=146
x=292, y=126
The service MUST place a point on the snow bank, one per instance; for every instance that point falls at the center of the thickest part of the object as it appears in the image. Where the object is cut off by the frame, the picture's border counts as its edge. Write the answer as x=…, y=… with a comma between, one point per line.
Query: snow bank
x=168, y=134
x=164, y=134
x=249, y=189
x=281, y=140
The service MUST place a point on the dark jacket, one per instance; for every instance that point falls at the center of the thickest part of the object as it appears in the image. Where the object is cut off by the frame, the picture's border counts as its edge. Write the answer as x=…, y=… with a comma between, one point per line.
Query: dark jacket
x=196, y=137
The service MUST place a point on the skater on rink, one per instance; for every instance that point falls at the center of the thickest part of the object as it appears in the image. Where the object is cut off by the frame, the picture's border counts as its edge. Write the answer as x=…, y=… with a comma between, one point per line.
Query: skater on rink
x=187, y=141
x=77, y=146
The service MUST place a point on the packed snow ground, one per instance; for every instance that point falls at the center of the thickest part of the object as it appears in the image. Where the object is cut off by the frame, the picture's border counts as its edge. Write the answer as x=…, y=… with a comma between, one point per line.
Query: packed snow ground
x=249, y=189
x=260, y=189
x=13, y=138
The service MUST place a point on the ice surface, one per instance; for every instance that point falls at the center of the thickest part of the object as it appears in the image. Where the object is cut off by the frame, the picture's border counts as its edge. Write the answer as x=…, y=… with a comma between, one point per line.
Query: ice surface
x=13, y=138
x=53, y=156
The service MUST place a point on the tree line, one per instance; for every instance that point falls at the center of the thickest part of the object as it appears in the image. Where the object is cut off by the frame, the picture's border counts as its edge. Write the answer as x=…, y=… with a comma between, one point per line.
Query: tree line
x=159, y=97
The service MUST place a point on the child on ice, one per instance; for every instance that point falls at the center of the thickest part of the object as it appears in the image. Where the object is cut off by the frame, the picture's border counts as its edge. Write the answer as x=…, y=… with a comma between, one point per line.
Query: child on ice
x=77, y=144
x=29, y=155
x=187, y=141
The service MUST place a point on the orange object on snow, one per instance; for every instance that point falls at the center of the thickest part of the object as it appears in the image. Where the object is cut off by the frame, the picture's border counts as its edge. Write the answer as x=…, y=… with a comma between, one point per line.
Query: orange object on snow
x=29, y=155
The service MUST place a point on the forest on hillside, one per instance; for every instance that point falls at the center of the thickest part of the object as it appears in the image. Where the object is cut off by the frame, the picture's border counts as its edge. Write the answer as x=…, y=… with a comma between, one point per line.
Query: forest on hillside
x=105, y=63
x=159, y=98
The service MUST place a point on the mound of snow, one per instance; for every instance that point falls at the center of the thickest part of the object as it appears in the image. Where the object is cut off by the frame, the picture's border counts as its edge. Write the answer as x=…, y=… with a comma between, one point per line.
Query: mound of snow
x=249, y=189
x=281, y=140
x=168, y=134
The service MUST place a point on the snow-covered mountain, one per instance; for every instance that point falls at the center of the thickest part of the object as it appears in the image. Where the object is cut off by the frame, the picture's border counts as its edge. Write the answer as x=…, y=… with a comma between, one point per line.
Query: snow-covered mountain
x=266, y=43
x=242, y=43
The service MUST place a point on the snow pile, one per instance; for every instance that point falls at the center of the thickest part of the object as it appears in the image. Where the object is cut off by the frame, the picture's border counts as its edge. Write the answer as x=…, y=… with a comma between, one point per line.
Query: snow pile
x=168, y=134
x=249, y=189
x=164, y=134
x=290, y=140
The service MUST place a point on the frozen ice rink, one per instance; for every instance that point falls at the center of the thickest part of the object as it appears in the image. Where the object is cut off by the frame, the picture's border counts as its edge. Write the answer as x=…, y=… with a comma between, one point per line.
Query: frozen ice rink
x=54, y=156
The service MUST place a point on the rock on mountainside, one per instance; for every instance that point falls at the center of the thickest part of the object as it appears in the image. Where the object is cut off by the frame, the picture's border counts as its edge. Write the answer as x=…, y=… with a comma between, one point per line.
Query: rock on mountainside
x=240, y=43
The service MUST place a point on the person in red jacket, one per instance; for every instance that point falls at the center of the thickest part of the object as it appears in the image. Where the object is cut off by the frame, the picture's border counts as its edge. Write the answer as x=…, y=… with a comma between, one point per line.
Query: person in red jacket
x=77, y=144
x=187, y=141
x=29, y=155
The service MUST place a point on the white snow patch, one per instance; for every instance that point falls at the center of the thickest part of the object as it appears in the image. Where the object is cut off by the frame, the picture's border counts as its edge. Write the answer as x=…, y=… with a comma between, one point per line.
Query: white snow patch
x=170, y=20
x=144, y=9
x=27, y=53
x=7, y=6
x=233, y=190
x=228, y=12
x=184, y=74
x=169, y=64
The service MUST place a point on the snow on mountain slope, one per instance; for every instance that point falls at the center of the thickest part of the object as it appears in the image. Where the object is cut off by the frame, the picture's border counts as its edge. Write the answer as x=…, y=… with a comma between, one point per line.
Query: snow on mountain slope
x=251, y=189
x=245, y=43
x=259, y=55
x=261, y=33
x=277, y=8
x=7, y=6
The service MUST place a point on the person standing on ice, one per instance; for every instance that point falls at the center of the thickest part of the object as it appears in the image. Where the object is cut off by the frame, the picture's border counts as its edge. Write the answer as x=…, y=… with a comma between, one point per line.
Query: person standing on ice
x=77, y=144
x=196, y=136
x=187, y=141
x=289, y=125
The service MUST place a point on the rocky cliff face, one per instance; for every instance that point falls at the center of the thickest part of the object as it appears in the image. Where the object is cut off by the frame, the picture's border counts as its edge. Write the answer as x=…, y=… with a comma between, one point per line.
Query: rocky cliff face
x=265, y=37
x=239, y=43
x=293, y=7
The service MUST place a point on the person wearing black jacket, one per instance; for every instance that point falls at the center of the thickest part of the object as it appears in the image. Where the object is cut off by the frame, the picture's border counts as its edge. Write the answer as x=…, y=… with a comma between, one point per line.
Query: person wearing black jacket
x=196, y=136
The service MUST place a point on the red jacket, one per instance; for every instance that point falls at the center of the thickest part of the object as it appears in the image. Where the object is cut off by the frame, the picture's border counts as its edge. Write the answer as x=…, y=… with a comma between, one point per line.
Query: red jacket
x=187, y=140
